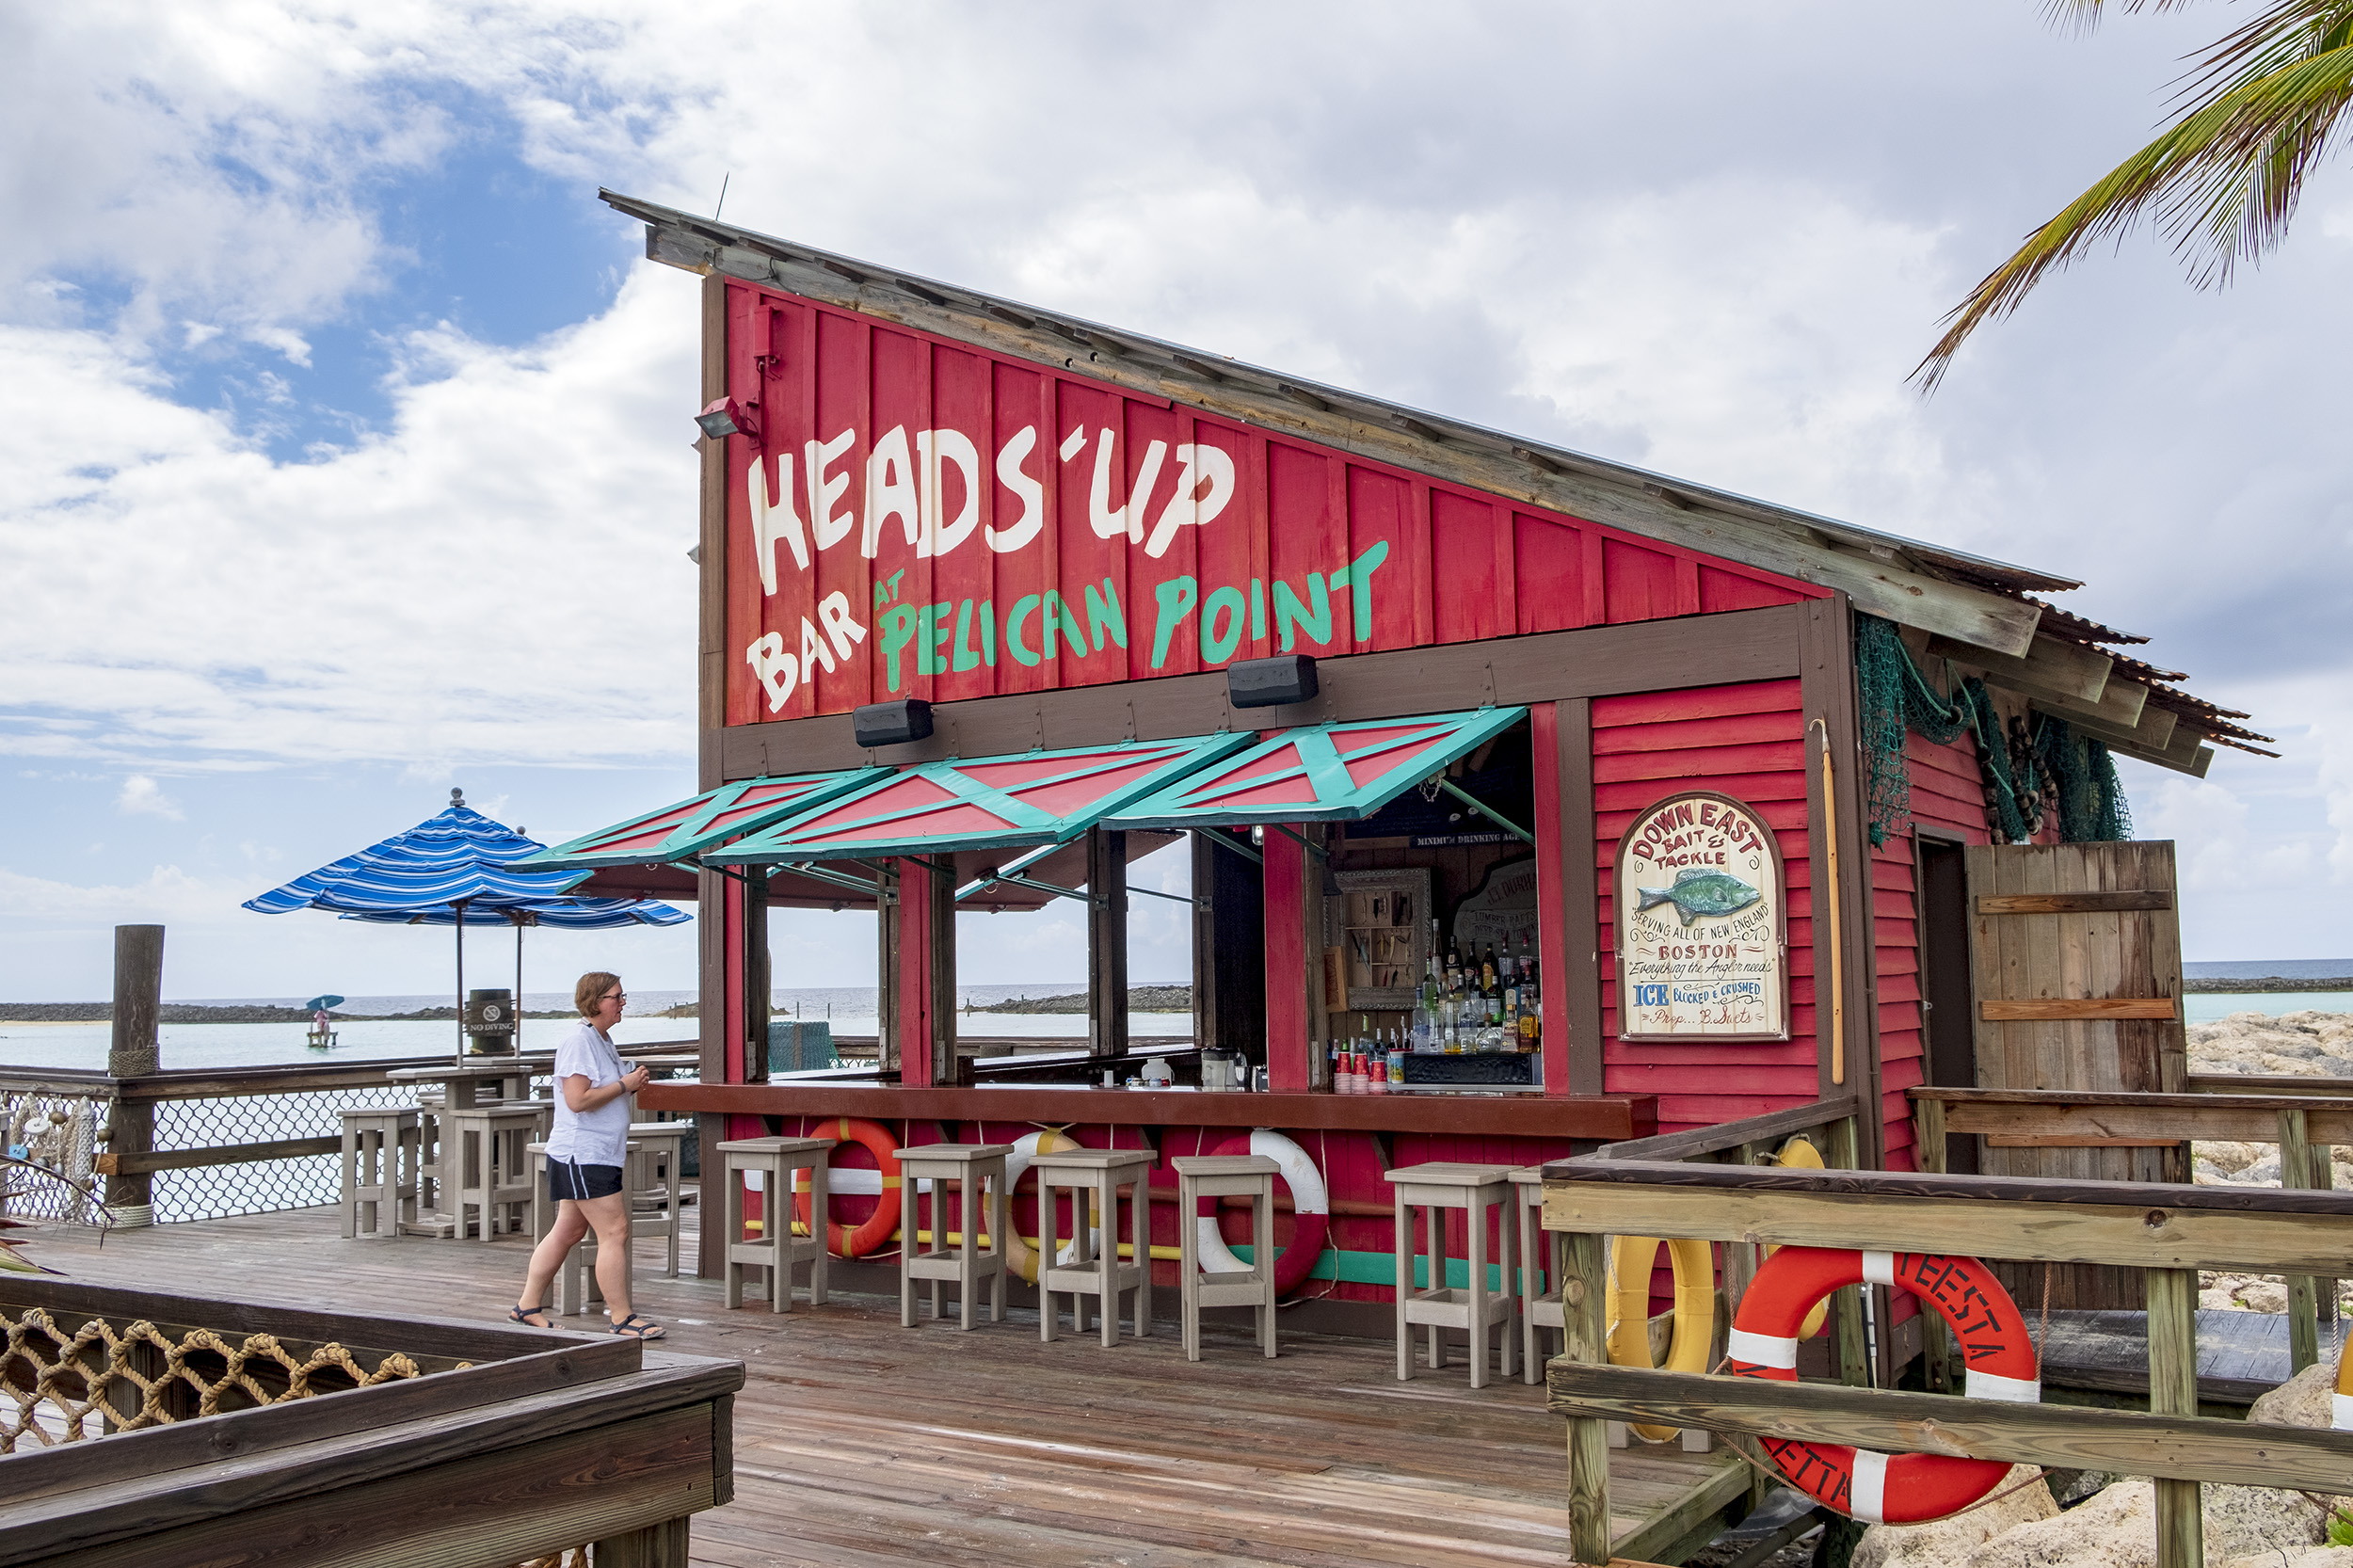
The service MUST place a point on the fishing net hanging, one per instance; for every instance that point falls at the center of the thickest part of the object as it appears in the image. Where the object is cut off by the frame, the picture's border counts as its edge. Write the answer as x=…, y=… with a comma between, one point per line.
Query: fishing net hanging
x=2018, y=769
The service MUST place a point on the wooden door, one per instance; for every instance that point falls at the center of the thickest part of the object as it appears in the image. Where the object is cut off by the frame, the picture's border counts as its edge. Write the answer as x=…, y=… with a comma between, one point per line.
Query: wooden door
x=2075, y=970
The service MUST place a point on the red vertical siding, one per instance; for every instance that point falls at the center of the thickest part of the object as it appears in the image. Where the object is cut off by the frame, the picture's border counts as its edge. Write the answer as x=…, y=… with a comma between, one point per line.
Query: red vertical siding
x=1748, y=742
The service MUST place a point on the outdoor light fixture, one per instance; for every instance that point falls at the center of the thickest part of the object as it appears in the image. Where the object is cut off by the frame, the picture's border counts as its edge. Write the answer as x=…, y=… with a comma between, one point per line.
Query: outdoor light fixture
x=1270, y=682
x=726, y=417
x=890, y=724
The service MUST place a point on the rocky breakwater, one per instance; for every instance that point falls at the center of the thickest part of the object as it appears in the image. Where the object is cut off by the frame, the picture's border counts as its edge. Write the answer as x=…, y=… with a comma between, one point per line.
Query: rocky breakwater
x=2072, y=1519
x=2290, y=1044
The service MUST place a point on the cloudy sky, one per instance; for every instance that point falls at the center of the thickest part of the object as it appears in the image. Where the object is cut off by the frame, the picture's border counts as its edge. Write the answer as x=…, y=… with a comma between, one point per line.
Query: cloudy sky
x=343, y=442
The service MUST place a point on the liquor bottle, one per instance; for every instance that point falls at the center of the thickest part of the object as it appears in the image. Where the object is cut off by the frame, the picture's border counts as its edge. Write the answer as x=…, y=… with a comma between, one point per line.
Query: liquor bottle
x=1505, y=969
x=1487, y=970
x=1397, y=1060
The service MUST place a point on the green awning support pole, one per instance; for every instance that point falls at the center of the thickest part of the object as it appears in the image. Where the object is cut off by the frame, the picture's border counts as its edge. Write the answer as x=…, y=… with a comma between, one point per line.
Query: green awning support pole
x=1316, y=850
x=1484, y=810
x=1227, y=840
x=818, y=873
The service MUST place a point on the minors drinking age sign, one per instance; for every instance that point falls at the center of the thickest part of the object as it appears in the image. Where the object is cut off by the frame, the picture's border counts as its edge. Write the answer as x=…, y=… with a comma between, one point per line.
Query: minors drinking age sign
x=1701, y=941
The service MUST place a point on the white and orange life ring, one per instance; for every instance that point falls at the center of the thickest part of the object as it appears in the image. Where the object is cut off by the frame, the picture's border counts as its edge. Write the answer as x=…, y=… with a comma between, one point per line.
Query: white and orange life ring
x=1887, y=1488
x=1311, y=1211
x=1020, y=1257
x=879, y=1226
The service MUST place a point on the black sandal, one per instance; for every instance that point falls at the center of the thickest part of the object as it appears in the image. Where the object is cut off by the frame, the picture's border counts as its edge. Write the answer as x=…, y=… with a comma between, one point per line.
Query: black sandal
x=522, y=1314
x=637, y=1327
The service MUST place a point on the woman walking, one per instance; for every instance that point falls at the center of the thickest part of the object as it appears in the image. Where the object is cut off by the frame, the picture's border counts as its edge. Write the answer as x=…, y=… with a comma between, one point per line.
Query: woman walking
x=584, y=1155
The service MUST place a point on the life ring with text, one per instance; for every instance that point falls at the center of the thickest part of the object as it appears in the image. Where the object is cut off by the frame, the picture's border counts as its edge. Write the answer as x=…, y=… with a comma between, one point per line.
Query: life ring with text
x=1311, y=1211
x=1876, y=1488
x=1020, y=1257
x=1799, y=1153
x=1631, y=1259
x=879, y=1226
x=2340, y=1402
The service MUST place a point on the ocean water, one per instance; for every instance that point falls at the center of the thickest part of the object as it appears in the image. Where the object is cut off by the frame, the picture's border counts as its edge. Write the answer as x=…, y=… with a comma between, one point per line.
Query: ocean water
x=2265, y=969
x=850, y=1008
x=2212, y=1007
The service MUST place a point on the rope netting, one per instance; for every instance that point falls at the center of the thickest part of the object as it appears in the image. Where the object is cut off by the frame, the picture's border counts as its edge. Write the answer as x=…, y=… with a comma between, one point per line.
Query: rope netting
x=2025, y=773
x=58, y=1384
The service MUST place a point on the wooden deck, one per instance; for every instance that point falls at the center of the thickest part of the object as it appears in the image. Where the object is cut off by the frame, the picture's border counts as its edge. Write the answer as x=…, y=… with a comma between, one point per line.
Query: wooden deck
x=861, y=1444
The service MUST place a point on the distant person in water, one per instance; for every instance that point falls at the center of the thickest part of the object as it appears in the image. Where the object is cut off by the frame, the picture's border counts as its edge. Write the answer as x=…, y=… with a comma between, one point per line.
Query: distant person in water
x=585, y=1155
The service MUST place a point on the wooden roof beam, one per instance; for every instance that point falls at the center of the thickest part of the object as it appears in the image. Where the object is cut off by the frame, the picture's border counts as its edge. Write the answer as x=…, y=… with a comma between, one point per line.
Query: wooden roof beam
x=2049, y=666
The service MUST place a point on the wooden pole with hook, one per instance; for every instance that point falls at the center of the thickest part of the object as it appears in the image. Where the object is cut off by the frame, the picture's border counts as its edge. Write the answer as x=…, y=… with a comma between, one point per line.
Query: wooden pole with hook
x=1837, y=956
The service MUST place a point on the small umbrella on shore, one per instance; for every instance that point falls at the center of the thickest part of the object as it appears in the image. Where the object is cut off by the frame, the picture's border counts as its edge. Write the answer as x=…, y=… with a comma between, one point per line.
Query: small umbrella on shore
x=315, y=1003
x=452, y=869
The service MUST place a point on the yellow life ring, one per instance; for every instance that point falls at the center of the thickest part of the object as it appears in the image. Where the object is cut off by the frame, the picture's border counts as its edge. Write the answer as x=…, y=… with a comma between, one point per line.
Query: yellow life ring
x=1799, y=1153
x=1630, y=1261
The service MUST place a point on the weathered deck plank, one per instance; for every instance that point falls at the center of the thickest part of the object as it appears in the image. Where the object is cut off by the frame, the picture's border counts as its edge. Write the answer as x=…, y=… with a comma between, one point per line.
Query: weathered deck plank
x=862, y=1444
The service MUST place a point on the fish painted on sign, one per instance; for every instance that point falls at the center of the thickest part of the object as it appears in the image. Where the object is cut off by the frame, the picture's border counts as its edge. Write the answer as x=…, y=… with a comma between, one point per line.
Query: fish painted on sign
x=1699, y=895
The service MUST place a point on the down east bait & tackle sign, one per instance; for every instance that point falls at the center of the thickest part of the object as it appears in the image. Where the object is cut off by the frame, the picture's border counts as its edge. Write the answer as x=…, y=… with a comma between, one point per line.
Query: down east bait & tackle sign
x=1702, y=948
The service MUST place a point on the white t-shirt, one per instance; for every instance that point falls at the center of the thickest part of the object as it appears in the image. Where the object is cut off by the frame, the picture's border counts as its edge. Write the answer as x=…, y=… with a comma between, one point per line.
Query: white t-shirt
x=594, y=1136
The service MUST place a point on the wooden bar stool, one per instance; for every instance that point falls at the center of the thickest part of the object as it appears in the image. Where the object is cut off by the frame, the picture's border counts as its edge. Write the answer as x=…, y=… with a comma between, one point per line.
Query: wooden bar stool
x=1544, y=1264
x=576, y=1286
x=379, y=1185
x=650, y=1180
x=1218, y=1175
x=776, y=1248
x=1479, y=1191
x=1094, y=1178
x=967, y=1167
x=486, y=1168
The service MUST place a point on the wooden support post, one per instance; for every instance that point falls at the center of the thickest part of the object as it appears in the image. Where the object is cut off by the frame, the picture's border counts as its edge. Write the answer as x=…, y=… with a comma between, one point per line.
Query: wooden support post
x=887, y=1027
x=926, y=1026
x=1292, y=1061
x=1584, y=1314
x=661, y=1545
x=1936, y=1341
x=2296, y=1171
x=1740, y=1259
x=757, y=986
x=134, y=1052
x=1568, y=896
x=1107, y=942
x=1847, y=1306
x=2173, y=1391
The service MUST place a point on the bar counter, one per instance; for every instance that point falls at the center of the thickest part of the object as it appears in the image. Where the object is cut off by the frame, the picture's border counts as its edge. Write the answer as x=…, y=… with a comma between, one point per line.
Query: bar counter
x=1607, y=1118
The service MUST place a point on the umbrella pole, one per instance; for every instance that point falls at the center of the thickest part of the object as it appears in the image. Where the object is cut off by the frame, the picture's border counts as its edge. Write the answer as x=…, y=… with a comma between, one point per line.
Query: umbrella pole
x=518, y=985
x=462, y=982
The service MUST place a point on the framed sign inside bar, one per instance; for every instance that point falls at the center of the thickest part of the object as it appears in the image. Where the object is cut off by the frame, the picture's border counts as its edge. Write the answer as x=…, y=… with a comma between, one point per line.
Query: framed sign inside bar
x=1703, y=930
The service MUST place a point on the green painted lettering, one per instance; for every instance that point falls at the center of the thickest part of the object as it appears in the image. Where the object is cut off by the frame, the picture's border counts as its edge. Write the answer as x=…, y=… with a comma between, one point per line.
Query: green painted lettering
x=966, y=658
x=1258, y=609
x=1358, y=574
x=1023, y=608
x=898, y=630
x=1062, y=624
x=988, y=633
x=932, y=643
x=1217, y=642
x=1177, y=599
x=1103, y=614
x=1314, y=617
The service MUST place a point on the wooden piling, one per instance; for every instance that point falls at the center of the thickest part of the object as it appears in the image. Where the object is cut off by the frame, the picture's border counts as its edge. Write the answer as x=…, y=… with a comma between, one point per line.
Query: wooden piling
x=135, y=1052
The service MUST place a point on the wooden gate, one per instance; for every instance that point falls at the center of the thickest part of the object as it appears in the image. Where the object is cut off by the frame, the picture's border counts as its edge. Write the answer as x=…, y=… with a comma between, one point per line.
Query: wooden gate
x=2076, y=970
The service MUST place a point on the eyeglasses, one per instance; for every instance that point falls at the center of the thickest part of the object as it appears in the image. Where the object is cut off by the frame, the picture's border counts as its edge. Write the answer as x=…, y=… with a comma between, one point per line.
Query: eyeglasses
x=614, y=995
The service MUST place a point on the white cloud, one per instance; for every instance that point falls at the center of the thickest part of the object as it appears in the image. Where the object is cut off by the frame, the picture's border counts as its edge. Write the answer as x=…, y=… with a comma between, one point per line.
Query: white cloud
x=142, y=796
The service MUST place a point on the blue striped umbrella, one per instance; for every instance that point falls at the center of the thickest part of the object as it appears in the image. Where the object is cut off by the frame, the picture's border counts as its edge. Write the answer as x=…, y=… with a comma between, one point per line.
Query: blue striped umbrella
x=452, y=869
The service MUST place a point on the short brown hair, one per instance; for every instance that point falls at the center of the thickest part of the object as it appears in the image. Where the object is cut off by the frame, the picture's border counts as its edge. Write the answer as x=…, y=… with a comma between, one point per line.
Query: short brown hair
x=591, y=990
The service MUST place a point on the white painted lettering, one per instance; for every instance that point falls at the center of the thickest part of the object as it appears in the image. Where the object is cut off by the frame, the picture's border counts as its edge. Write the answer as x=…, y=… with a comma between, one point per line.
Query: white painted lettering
x=774, y=519
x=889, y=493
x=1188, y=508
x=843, y=633
x=774, y=668
x=934, y=448
x=829, y=527
x=1032, y=494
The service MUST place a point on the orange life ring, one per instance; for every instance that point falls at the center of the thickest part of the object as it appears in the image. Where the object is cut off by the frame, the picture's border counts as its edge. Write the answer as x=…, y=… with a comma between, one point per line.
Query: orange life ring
x=1887, y=1488
x=883, y=1223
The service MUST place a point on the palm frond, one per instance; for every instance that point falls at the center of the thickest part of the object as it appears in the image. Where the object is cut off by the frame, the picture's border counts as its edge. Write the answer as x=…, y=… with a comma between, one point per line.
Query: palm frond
x=2263, y=107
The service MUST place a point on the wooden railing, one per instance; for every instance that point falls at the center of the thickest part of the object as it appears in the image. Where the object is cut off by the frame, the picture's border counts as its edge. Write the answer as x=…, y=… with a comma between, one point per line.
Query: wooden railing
x=155, y=1428
x=2168, y=1231
x=2304, y=1126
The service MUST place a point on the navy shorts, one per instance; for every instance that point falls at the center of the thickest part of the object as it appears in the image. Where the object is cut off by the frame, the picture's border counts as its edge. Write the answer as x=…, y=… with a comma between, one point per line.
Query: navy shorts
x=568, y=1181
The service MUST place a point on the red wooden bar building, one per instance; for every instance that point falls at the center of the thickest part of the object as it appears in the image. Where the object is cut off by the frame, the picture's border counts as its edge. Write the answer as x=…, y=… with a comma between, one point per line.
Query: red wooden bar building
x=1501, y=671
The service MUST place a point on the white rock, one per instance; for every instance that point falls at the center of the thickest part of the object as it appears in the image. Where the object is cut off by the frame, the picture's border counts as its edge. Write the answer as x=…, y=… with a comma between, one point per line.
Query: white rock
x=1952, y=1543
x=2300, y=1401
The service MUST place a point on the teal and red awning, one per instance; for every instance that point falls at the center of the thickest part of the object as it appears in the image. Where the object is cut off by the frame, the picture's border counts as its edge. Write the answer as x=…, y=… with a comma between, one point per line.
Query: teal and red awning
x=1038, y=797
x=1323, y=773
x=683, y=831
